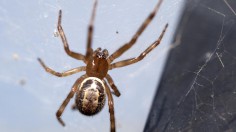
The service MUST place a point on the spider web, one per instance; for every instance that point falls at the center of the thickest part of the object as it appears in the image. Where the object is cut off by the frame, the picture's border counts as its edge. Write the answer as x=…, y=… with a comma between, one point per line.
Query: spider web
x=30, y=97
x=200, y=95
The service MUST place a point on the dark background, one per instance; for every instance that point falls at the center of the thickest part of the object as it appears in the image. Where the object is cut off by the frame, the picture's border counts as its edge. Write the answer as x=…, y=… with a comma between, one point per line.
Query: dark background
x=197, y=92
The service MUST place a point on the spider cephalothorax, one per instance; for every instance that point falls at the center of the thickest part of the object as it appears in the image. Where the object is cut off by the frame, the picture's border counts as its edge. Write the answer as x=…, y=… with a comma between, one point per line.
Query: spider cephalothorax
x=92, y=87
x=97, y=66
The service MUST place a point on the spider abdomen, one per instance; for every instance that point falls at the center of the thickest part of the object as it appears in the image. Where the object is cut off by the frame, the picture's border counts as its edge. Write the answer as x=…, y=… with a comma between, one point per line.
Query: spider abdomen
x=90, y=97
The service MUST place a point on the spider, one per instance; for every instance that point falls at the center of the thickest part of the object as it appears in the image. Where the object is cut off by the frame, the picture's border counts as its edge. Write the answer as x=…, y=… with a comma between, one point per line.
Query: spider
x=92, y=87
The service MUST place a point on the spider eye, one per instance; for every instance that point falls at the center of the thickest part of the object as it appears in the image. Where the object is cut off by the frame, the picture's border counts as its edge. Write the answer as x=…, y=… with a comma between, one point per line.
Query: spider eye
x=99, y=54
x=104, y=56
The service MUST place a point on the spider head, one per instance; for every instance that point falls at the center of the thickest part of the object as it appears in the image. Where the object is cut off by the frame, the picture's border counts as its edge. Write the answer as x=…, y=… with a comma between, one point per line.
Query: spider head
x=101, y=54
x=98, y=65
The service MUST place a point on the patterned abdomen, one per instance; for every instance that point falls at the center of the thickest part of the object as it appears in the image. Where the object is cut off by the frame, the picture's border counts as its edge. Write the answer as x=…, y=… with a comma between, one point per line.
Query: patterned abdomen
x=90, y=97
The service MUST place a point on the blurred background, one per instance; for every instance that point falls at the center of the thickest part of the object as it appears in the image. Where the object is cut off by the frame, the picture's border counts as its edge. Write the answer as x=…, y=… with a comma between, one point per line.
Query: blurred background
x=30, y=97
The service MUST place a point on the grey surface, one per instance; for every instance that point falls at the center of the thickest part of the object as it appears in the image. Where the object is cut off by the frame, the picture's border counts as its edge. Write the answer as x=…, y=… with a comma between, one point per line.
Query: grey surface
x=197, y=91
x=30, y=97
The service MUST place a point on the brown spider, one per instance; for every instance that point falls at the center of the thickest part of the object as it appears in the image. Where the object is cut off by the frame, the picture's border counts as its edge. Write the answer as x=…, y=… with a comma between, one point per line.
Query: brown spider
x=91, y=88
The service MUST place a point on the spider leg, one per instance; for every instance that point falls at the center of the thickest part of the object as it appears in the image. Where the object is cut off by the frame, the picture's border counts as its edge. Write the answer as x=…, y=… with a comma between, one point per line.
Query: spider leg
x=128, y=45
x=66, y=101
x=90, y=31
x=113, y=86
x=111, y=107
x=72, y=54
x=141, y=56
x=63, y=74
